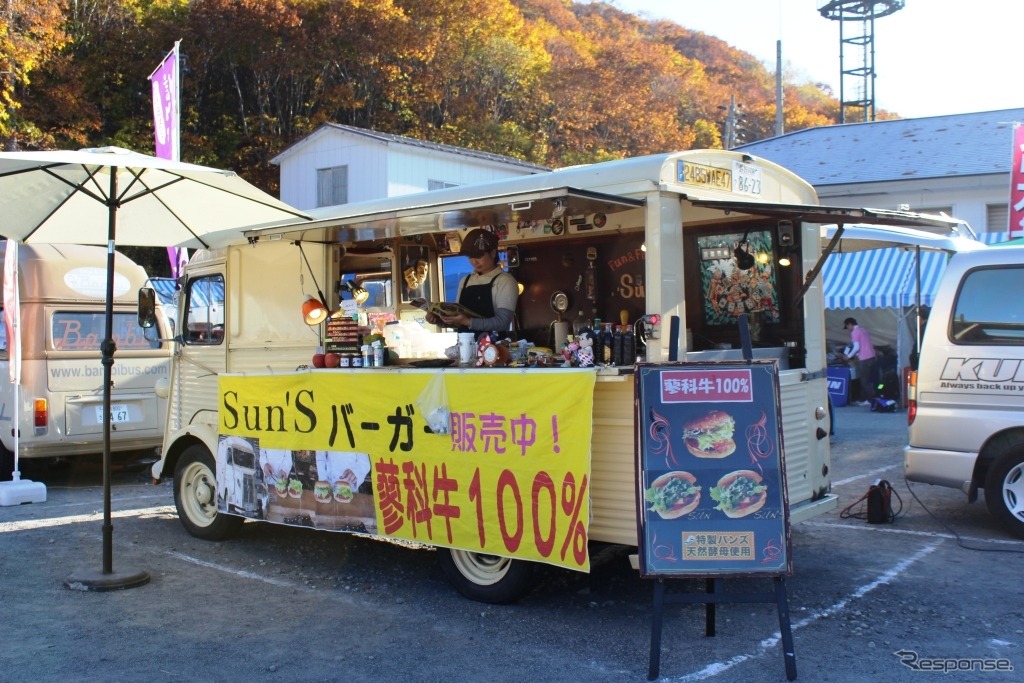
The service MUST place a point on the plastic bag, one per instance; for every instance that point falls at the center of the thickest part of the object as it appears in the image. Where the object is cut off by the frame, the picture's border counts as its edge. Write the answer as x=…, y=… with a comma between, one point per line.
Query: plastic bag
x=433, y=404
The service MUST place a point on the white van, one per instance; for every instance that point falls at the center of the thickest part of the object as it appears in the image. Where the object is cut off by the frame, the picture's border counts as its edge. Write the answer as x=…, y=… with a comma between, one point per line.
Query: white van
x=63, y=295
x=966, y=399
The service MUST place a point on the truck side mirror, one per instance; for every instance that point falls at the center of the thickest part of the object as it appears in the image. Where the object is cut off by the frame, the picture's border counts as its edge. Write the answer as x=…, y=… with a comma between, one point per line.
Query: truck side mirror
x=147, y=307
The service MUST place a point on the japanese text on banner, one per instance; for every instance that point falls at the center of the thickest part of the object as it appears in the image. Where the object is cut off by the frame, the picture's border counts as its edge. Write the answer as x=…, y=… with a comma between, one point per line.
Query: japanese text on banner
x=511, y=478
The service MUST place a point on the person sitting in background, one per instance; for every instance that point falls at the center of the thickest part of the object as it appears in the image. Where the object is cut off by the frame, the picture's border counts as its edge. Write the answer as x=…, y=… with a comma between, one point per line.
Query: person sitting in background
x=862, y=350
x=488, y=291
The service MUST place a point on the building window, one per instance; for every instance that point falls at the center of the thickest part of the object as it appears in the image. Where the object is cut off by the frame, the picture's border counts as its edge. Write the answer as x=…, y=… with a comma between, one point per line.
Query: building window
x=332, y=186
x=439, y=185
x=997, y=217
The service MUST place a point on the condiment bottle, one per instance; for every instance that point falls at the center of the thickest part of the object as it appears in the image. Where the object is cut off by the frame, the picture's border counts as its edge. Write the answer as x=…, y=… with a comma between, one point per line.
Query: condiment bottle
x=607, y=344
x=628, y=346
x=579, y=324
x=616, y=346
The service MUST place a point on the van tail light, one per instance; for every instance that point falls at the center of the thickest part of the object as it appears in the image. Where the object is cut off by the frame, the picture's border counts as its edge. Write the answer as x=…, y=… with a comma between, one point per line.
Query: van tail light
x=40, y=415
x=912, y=398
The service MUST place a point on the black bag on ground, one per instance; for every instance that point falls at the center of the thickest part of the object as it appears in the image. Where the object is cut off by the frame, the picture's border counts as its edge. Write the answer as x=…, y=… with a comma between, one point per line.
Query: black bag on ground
x=880, y=503
x=876, y=505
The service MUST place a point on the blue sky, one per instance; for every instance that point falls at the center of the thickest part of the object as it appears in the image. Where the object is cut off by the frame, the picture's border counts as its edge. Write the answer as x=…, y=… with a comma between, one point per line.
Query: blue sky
x=932, y=57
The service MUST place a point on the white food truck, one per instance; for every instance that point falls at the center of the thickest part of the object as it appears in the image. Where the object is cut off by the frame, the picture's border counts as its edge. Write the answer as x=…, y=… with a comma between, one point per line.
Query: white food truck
x=538, y=458
x=62, y=306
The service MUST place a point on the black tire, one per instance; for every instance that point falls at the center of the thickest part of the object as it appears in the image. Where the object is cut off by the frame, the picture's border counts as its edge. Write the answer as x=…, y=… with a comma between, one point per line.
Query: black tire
x=1004, y=490
x=195, y=497
x=487, y=578
x=6, y=464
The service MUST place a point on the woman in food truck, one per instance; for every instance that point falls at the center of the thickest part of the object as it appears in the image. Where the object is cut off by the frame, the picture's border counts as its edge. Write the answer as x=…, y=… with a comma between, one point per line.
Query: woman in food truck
x=488, y=291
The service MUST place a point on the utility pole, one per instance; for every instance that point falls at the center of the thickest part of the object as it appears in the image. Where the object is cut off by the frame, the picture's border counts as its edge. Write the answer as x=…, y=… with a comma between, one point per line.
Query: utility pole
x=733, y=132
x=779, y=93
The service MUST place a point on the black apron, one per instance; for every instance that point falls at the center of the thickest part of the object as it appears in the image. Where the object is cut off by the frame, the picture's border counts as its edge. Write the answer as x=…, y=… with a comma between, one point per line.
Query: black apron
x=478, y=299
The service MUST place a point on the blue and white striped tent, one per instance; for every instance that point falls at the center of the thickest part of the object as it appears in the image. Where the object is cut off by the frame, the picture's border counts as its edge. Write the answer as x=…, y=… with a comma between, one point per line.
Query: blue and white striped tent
x=885, y=278
x=878, y=287
x=880, y=278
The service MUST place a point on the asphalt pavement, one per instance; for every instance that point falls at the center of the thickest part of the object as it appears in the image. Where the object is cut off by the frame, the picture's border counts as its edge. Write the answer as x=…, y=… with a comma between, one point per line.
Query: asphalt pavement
x=931, y=597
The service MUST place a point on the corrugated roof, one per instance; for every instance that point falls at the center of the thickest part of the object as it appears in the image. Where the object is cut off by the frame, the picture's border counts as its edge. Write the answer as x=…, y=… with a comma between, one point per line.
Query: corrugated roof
x=903, y=149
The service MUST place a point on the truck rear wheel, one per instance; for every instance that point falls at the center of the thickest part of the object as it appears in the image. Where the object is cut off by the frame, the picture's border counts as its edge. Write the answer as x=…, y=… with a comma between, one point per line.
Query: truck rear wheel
x=195, y=497
x=1004, y=491
x=487, y=578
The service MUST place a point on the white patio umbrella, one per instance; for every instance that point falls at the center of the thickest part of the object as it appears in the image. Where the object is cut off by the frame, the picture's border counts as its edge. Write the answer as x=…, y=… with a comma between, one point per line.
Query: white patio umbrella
x=93, y=196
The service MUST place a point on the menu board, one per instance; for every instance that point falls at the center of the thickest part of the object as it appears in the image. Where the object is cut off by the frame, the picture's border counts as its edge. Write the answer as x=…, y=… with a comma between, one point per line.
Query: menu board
x=711, y=496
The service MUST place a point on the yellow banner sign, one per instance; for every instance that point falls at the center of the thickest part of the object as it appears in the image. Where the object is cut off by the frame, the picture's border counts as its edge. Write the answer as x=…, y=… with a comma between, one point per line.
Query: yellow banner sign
x=492, y=461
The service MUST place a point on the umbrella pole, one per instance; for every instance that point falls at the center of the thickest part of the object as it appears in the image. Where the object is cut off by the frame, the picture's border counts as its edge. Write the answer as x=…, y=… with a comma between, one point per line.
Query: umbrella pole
x=108, y=579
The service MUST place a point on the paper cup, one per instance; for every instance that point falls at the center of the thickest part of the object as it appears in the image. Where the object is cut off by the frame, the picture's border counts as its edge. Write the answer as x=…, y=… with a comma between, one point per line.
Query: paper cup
x=467, y=347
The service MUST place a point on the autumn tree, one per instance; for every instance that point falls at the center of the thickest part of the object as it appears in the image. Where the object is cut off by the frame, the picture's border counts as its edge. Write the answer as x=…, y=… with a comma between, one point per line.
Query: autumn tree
x=550, y=81
x=31, y=33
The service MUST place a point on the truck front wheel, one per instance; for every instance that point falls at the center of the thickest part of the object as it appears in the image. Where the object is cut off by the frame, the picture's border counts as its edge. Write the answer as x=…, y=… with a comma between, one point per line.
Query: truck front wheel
x=1004, y=491
x=195, y=497
x=487, y=578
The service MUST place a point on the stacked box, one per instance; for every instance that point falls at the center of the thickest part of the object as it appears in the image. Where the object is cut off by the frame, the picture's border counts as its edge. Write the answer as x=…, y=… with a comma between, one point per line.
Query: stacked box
x=342, y=337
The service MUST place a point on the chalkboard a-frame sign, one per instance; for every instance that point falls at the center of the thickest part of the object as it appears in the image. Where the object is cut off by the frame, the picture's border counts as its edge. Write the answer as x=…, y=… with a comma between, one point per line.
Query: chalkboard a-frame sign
x=711, y=481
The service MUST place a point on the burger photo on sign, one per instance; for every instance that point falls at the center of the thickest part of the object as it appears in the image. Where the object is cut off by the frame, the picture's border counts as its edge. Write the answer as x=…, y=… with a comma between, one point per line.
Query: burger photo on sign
x=710, y=436
x=740, y=493
x=673, y=495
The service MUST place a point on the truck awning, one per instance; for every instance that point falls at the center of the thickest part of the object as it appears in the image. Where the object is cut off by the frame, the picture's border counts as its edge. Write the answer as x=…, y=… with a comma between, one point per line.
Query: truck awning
x=832, y=214
x=379, y=220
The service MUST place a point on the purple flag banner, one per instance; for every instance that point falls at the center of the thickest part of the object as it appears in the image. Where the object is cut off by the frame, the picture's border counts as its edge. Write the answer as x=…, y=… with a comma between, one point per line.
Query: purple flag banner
x=166, y=130
x=178, y=258
x=165, y=106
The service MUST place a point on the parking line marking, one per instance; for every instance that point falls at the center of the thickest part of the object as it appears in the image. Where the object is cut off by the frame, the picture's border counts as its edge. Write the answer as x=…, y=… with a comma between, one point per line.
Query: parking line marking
x=866, y=475
x=908, y=532
x=716, y=668
x=228, y=570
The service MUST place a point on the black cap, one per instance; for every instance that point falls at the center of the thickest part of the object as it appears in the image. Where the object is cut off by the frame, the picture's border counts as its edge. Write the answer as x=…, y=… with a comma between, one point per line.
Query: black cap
x=478, y=242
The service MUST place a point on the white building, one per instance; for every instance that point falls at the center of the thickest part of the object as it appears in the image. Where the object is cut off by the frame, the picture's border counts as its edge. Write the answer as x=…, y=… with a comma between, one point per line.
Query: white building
x=338, y=164
x=958, y=164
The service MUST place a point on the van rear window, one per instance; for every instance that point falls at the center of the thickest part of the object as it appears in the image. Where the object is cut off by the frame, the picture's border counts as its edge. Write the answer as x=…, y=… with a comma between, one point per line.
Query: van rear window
x=986, y=310
x=79, y=331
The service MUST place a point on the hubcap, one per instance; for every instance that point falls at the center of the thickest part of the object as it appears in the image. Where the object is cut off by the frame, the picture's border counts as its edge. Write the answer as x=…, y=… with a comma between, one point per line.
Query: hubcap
x=198, y=494
x=482, y=570
x=1013, y=492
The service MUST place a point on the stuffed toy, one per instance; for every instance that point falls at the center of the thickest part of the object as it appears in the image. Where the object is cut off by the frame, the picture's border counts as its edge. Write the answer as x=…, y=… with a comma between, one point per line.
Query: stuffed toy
x=585, y=354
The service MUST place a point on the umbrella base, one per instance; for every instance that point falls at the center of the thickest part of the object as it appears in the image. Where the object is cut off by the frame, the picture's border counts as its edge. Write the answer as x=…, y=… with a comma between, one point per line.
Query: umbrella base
x=22, y=491
x=89, y=580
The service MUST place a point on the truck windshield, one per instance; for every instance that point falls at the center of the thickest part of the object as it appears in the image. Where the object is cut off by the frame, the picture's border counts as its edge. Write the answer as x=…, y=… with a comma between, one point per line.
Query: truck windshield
x=84, y=331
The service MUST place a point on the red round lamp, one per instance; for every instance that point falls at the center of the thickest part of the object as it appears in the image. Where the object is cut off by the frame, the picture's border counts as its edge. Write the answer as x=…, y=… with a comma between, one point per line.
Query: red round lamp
x=313, y=312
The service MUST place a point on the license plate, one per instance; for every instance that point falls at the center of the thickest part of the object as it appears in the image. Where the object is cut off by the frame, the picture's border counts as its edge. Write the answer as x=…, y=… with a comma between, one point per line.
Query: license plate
x=118, y=413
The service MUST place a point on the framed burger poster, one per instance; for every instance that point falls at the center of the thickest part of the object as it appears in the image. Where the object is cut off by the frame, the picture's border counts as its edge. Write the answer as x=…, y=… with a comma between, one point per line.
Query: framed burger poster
x=711, y=482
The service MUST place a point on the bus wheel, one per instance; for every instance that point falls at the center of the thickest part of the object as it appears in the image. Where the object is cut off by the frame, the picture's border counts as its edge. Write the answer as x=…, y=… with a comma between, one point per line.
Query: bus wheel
x=1004, y=491
x=487, y=578
x=195, y=497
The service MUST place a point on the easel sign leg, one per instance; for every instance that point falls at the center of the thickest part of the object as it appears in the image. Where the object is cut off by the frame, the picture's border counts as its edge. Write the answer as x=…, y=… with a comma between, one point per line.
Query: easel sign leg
x=788, y=652
x=654, y=660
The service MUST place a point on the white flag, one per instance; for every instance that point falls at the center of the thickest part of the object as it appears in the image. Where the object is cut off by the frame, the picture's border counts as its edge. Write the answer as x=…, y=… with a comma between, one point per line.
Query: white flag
x=12, y=310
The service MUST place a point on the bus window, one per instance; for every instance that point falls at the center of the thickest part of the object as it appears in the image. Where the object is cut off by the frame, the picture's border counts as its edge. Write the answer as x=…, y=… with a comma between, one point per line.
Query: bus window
x=84, y=331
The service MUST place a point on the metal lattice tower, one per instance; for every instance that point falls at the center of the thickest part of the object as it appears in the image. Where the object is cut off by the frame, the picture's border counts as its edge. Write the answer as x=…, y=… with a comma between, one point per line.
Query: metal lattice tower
x=857, y=51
